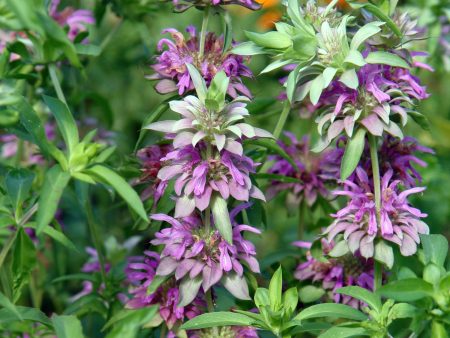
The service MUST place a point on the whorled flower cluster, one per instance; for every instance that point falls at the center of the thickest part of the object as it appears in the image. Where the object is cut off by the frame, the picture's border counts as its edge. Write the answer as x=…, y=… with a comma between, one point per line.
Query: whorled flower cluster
x=399, y=222
x=171, y=71
x=384, y=92
x=140, y=272
x=191, y=251
x=334, y=273
x=314, y=173
x=182, y=5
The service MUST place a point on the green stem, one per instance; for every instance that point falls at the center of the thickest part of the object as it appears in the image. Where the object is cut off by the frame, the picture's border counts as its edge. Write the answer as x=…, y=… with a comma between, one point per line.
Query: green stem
x=56, y=83
x=163, y=331
x=378, y=268
x=19, y=153
x=375, y=174
x=210, y=306
x=205, y=22
x=301, y=219
x=96, y=240
x=282, y=119
x=378, y=275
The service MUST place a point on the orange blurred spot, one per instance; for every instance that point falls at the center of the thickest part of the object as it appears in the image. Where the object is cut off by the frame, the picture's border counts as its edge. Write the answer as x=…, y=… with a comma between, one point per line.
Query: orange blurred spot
x=268, y=3
x=267, y=20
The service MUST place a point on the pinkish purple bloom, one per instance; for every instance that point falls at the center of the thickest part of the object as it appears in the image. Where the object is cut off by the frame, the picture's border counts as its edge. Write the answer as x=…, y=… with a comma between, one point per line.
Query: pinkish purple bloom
x=197, y=178
x=399, y=222
x=150, y=158
x=314, y=172
x=193, y=252
x=140, y=273
x=221, y=127
x=339, y=272
x=172, y=73
x=384, y=92
x=77, y=21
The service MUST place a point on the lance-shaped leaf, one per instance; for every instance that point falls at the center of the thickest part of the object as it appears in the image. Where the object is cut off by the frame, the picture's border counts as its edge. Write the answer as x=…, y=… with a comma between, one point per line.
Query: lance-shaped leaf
x=352, y=154
x=386, y=58
x=55, y=182
x=18, y=184
x=221, y=216
x=362, y=294
x=407, y=290
x=65, y=121
x=107, y=176
x=214, y=319
x=189, y=288
x=275, y=290
x=27, y=313
x=380, y=15
x=8, y=305
x=330, y=310
x=198, y=81
x=24, y=259
x=67, y=327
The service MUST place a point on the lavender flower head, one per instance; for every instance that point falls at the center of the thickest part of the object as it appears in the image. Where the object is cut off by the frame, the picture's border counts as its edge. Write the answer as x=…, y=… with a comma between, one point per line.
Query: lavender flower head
x=140, y=272
x=384, y=92
x=172, y=73
x=314, y=172
x=197, y=177
x=335, y=273
x=193, y=252
x=77, y=21
x=400, y=223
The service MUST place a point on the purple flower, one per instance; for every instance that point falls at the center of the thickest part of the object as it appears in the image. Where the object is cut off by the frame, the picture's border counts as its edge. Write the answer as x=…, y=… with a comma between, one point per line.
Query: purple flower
x=150, y=158
x=76, y=20
x=182, y=5
x=400, y=223
x=314, y=172
x=171, y=70
x=335, y=273
x=140, y=273
x=384, y=91
x=197, y=178
x=191, y=251
x=225, y=332
x=221, y=127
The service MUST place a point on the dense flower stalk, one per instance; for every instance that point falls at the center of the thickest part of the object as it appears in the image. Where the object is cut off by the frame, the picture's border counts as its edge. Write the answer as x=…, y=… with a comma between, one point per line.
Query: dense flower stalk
x=77, y=21
x=171, y=71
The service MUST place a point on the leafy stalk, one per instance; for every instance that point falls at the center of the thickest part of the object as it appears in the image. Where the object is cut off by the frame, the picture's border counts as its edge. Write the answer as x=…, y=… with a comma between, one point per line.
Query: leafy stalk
x=282, y=119
x=56, y=83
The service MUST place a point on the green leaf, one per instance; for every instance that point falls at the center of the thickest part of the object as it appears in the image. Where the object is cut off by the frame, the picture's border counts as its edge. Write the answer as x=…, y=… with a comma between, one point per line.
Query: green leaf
x=386, y=58
x=435, y=248
x=67, y=327
x=380, y=15
x=214, y=319
x=290, y=300
x=218, y=88
x=344, y=332
x=438, y=330
x=384, y=254
x=7, y=304
x=76, y=276
x=364, y=33
x=316, y=89
x=189, y=289
x=32, y=123
x=350, y=79
x=221, y=216
x=109, y=177
x=310, y=293
x=262, y=297
x=27, y=313
x=407, y=290
x=272, y=40
x=24, y=260
x=275, y=289
x=330, y=310
x=198, y=81
x=55, y=182
x=372, y=299
x=56, y=235
x=87, y=49
x=18, y=184
x=66, y=122
x=248, y=48
x=402, y=310
x=353, y=153
x=136, y=317
x=275, y=65
x=420, y=119
x=273, y=146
